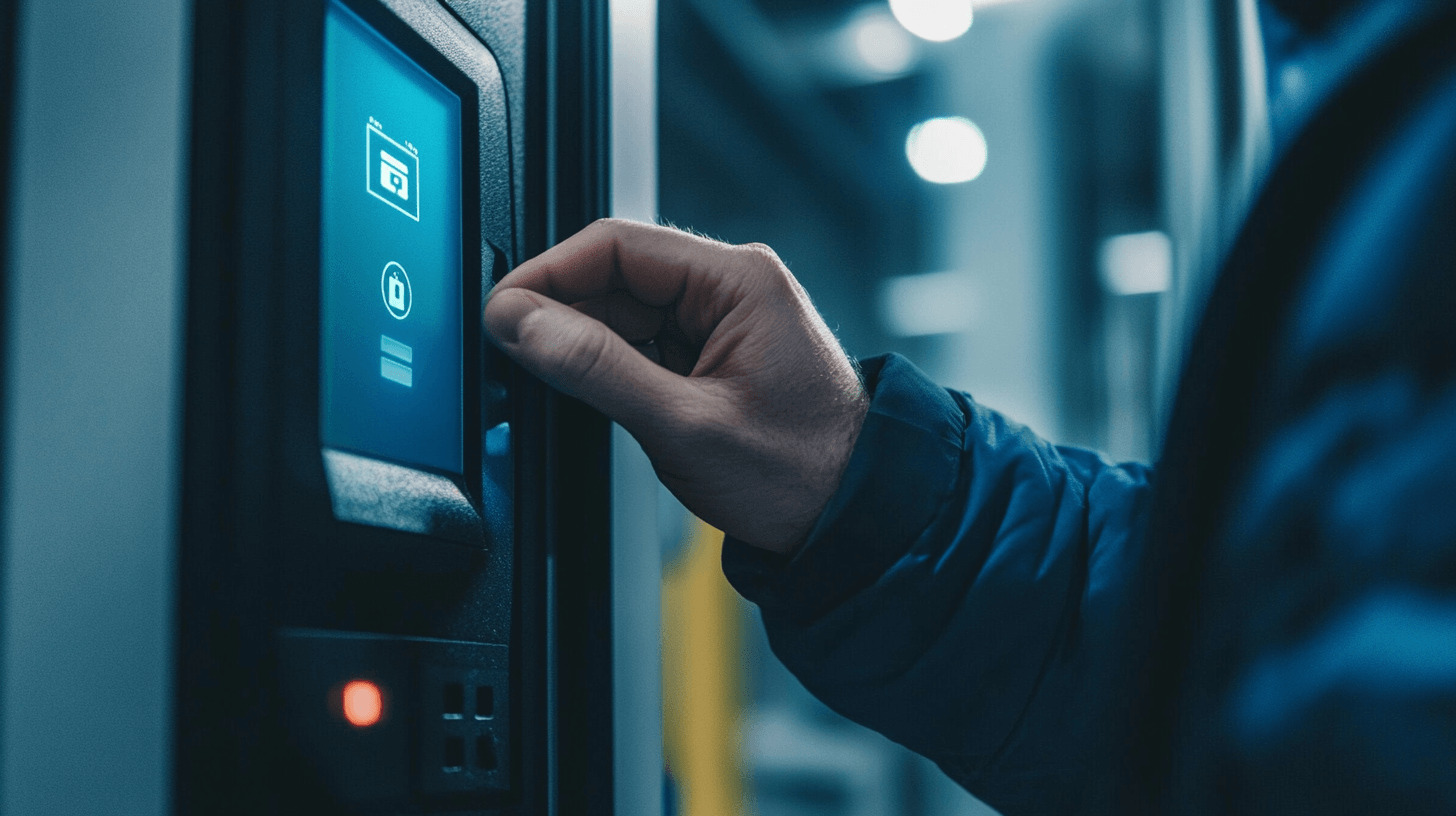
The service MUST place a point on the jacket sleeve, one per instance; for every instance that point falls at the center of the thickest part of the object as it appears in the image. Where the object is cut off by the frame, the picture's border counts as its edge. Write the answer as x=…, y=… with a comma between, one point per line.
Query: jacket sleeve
x=974, y=593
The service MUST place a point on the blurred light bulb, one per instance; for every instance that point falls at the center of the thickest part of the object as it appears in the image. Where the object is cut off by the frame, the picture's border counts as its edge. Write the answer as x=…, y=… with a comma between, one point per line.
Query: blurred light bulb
x=880, y=43
x=934, y=20
x=1138, y=263
x=947, y=150
x=931, y=303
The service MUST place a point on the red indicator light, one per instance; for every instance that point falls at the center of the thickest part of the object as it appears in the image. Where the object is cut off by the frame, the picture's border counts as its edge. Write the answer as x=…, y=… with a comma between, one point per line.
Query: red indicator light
x=363, y=703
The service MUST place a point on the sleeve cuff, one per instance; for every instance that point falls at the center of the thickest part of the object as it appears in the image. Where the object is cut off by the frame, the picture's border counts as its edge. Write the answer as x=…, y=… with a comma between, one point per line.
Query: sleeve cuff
x=900, y=475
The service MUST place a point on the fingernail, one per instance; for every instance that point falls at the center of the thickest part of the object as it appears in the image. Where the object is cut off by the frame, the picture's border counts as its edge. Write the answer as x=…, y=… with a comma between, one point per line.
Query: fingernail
x=504, y=312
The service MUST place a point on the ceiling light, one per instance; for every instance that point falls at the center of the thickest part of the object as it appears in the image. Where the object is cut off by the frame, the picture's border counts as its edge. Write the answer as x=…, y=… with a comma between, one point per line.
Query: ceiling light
x=1138, y=263
x=946, y=150
x=879, y=43
x=934, y=20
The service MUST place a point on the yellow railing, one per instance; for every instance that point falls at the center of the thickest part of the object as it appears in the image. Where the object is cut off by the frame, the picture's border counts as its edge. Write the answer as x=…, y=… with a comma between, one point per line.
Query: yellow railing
x=702, y=671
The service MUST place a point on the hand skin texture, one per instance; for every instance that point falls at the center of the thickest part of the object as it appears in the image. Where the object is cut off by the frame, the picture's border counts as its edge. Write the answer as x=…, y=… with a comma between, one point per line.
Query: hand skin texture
x=711, y=355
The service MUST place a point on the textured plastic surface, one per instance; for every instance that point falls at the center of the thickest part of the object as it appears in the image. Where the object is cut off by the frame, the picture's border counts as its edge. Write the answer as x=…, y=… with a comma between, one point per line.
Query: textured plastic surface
x=501, y=24
x=470, y=55
x=382, y=494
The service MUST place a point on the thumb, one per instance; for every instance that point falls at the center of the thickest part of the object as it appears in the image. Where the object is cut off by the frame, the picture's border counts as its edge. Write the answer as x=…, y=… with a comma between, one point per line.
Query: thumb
x=582, y=357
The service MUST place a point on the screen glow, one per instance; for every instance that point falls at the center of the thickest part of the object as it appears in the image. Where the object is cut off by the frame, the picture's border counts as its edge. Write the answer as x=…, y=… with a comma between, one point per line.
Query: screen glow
x=391, y=254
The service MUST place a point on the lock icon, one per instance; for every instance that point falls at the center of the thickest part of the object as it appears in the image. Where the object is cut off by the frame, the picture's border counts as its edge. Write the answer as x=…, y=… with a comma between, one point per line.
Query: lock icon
x=394, y=285
x=396, y=293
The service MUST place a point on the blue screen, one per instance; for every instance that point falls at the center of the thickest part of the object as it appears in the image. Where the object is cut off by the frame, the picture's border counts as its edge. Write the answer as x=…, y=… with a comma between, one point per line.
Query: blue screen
x=391, y=253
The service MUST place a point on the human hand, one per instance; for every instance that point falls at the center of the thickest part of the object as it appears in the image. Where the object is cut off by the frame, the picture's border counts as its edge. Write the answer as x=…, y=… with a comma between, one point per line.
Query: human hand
x=736, y=389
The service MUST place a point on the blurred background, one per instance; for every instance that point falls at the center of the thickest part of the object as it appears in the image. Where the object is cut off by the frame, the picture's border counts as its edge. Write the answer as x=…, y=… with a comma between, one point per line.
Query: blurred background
x=1022, y=196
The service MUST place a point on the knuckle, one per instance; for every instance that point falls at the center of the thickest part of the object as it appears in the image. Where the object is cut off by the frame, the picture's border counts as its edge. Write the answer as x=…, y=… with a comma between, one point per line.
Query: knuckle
x=769, y=271
x=762, y=252
x=616, y=228
x=609, y=229
x=763, y=260
x=616, y=232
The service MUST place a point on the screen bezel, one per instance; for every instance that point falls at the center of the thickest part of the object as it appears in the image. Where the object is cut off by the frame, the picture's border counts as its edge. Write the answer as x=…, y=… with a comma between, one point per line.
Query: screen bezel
x=423, y=505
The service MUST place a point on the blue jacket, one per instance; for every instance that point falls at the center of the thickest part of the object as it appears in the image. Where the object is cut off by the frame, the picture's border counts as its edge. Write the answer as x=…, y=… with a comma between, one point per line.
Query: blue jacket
x=1264, y=624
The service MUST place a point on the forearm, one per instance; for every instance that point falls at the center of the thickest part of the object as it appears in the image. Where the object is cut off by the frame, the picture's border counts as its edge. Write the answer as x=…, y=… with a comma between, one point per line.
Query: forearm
x=968, y=586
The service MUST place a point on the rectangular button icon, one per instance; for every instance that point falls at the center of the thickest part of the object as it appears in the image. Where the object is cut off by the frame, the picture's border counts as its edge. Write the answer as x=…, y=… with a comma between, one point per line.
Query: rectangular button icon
x=402, y=374
x=394, y=348
x=394, y=370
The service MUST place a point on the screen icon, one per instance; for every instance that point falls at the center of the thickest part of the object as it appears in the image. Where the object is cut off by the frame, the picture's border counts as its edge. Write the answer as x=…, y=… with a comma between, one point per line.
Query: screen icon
x=394, y=286
x=393, y=171
x=393, y=175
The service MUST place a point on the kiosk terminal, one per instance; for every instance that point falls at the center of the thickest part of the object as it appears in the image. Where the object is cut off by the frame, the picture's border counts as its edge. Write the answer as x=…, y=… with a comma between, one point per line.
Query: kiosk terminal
x=284, y=533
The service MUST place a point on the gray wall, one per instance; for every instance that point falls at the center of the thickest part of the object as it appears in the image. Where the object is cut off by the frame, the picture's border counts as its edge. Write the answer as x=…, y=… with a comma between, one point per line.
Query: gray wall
x=93, y=326
x=636, y=554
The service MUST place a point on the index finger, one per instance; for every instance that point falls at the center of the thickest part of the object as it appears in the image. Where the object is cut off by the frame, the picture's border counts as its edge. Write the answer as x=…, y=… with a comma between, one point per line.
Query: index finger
x=656, y=265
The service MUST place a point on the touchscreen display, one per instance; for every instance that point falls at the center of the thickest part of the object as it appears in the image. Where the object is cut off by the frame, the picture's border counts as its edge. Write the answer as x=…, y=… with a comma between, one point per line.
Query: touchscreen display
x=391, y=261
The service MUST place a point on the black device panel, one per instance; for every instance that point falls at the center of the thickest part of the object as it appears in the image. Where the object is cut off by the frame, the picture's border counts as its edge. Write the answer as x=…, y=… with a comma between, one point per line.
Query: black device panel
x=450, y=475
x=305, y=561
x=405, y=718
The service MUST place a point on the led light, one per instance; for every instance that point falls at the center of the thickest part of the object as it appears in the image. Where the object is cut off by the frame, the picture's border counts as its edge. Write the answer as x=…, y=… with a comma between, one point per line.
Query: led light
x=947, y=150
x=932, y=303
x=879, y=43
x=1139, y=263
x=934, y=20
x=363, y=703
